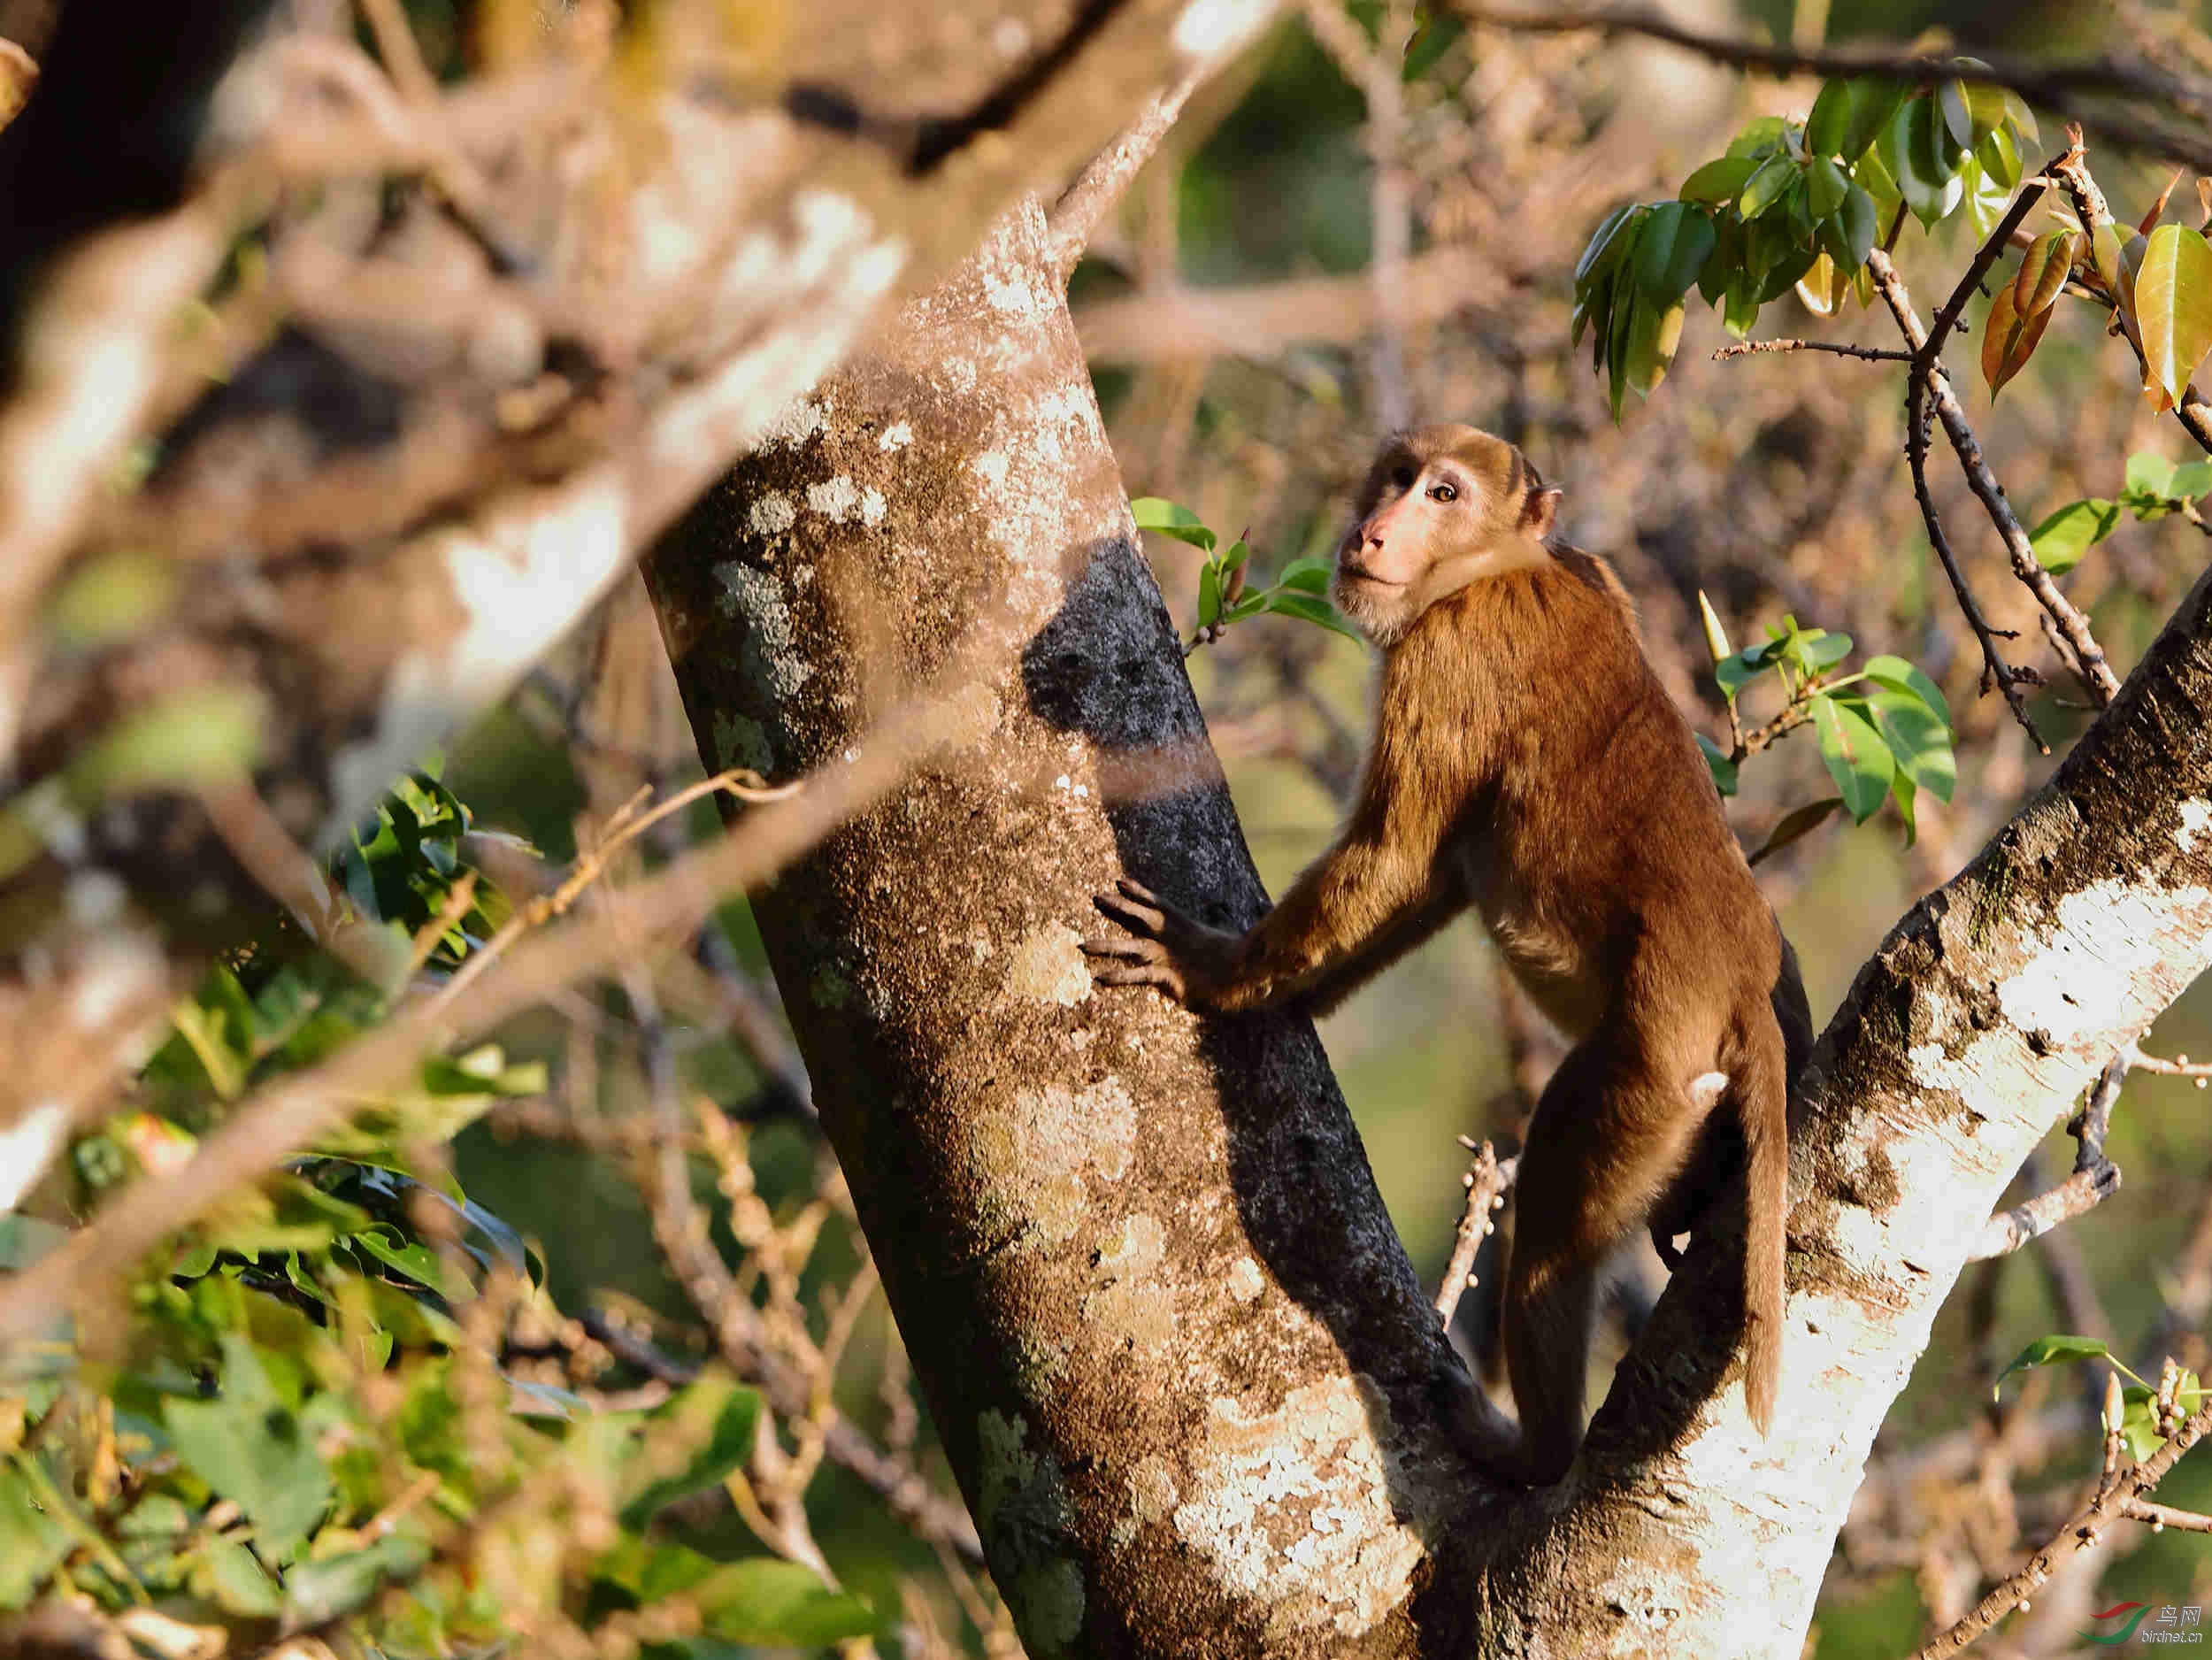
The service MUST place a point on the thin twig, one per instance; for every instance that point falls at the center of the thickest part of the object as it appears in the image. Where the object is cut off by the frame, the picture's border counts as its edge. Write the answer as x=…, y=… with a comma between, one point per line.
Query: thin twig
x=2164, y=1516
x=2111, y=1503
x=1841, y=349
x=2008, y=679
x=1487, y=1179
x=1993, y=245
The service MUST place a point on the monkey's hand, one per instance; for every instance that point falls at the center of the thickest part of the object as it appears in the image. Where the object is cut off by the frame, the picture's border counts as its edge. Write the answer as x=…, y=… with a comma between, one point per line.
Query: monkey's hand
x=1188, y=961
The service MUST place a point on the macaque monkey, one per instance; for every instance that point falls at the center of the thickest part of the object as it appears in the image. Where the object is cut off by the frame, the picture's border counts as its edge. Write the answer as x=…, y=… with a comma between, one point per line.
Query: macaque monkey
x=1527, y=763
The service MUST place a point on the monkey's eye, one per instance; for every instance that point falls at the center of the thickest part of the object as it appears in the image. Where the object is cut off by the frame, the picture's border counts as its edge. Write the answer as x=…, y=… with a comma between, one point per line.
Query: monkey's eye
x=1442, y=493
x=1402, y=478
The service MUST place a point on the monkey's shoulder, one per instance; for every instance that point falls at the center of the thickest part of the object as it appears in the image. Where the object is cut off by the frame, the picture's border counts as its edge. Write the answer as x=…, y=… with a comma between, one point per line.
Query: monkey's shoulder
x=1596, y=574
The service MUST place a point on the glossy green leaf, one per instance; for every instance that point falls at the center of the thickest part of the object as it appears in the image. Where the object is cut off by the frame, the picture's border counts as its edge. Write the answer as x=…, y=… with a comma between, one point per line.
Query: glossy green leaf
x=1825, y=188
x=1733, y=674
x=1653, y=336
x=1767, y=186
x=2190, y=480
x=1985, y=108
x=1906, y=795
x=1795, y=826
x=1717, y=763
x=1915, y=149
x=1999, y=158
x=1605, y=244
x=317, y=1592
x=1307, y=575
x=1672, y=249
x=2061, y=540
x=1726, y=265
x=1310, y=608
x=2173, y=306
x=250, y=1447
x=1848, y=234
x=1986, y=199
x=2150, y=480
x=1830, y=118
x=1958, y=117
x=1172, y=519
x=1919, y=741
x=2055, y=1351
x=1760, y=137
x=1872, y=175
x=1718, y=181
x=1854, y=755
x=1208, y=593
x=716, y=1418
x=784, y=1604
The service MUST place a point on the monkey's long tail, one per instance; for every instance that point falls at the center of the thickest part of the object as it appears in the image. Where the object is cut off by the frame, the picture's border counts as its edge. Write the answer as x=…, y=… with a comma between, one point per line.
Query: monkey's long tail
x=1767, y=1142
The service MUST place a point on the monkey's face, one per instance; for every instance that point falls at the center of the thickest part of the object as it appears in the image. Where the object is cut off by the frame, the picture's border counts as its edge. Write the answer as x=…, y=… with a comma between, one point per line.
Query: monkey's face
x=1442, y=507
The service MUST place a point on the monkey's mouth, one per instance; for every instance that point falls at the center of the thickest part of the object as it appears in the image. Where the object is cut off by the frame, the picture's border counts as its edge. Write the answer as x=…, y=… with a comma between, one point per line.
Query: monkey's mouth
x=1357, y=573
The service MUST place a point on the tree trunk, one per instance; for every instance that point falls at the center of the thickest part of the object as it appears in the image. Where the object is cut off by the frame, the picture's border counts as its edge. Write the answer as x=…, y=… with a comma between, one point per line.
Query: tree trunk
x=1182, y=1366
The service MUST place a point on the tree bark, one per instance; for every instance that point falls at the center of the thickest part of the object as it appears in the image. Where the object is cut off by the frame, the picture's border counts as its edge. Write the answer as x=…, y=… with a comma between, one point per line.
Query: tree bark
x=1191, y=1387
x=1182, y=1368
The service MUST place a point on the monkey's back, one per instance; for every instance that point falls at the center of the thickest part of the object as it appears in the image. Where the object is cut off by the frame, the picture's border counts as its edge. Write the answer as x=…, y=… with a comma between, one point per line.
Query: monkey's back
x=1601, y=859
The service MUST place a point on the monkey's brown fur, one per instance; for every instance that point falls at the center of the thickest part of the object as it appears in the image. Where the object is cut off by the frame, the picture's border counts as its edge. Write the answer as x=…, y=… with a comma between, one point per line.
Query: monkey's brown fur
x=1527, y=763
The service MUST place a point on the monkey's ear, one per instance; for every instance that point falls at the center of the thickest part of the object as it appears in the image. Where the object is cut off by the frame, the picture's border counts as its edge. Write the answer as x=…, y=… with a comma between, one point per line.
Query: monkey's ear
x=1539, y=512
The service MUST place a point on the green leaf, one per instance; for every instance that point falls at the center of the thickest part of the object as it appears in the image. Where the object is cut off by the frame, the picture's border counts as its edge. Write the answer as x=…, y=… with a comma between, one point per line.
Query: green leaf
x=1606, y=244
x=1903, y=792
x=1208, y=593
x=1718, y=183
x=250, y=1447
x=33, y=1541
x=1873, y=104
x=1816, y=650
x=1825, y=187
x=1919, y=741
x=1767, y=186
x=2190, y=480
x=1672, y=249
x=1719, y=762
x=2061, y=540
x=1999, y=158
x=2054, y=1350
x=1760, y=137
x=1898, y=675
x=2173, y=306
x=1958, y=119
x=1437, y=34
x=767, y=1601
x=1856, y=756
x=229, y=1576
x=1915, y=150
x=1830, y=118
x=1795, y=826
x=1734, y=673
x=1172, y=519
x=1308, y=575
x=1312, y=609
x=317, y=1592
x=2149, y=485
x=721, y=1417
x=1653, y=336
x=410, y=1260
x=1848, y=234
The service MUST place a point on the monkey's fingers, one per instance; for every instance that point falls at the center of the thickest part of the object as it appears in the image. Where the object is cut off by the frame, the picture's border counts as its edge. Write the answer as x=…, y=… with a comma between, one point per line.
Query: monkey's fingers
x=1139, y=918
x=1127, y=949
x=1158, y=973
x=1136, y=889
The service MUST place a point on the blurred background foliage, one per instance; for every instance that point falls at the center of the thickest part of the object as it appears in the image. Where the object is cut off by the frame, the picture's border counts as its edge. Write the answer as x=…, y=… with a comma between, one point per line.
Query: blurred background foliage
x=1236, y=360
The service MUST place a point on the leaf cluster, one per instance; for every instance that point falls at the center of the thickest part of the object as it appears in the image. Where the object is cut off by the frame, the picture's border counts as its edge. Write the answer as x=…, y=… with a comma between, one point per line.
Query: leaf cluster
x=1302, y=590
x=1793, y=205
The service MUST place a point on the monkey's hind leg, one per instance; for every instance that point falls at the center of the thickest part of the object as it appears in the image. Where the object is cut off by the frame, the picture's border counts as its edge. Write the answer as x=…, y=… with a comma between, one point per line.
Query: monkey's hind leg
x=1606, y=1140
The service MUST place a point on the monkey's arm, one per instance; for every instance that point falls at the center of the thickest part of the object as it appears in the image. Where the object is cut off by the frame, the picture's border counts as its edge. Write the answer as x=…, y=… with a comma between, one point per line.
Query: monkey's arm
x=1380, y=891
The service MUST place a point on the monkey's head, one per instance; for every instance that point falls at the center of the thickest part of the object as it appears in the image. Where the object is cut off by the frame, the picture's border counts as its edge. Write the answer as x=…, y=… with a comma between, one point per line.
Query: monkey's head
x=1442, y=507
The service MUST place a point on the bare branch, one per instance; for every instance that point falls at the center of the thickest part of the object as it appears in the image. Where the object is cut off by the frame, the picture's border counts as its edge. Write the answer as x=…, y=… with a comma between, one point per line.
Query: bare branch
x=1841, y=349
x=1487, y=1179
x=2064, y=86
x=1076, y=216
x=2010, y=1230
